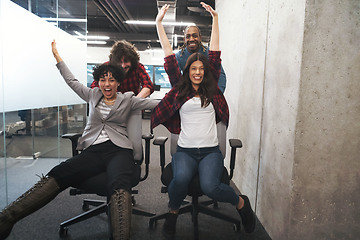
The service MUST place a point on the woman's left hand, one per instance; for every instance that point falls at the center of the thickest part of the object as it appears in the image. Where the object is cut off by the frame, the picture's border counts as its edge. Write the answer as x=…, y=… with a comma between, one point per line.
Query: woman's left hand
x=209, y=9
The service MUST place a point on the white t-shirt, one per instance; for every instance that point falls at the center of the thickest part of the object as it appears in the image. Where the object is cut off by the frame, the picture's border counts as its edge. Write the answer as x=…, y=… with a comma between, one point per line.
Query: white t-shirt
x=198, y=125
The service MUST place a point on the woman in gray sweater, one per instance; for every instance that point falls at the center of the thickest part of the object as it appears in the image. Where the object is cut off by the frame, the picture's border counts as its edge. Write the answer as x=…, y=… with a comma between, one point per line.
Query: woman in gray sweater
x=104, y=147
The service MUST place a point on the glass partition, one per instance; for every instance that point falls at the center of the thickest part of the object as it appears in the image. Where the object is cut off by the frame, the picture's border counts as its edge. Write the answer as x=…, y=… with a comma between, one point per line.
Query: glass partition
x=36, y=107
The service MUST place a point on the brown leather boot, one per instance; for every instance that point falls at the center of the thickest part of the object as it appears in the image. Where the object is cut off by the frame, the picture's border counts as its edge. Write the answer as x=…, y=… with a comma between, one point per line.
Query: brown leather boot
x=120, y=214
x=45, y=190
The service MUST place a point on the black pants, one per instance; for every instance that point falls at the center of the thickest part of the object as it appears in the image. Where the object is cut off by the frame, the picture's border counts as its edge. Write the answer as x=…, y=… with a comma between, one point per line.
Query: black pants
x=106, y=157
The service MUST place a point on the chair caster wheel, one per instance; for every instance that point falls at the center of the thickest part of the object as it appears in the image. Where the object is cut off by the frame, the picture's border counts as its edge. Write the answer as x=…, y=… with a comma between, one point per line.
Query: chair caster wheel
x=236, y=227
x=63, y=232
x=85, y=207
x=152, y=224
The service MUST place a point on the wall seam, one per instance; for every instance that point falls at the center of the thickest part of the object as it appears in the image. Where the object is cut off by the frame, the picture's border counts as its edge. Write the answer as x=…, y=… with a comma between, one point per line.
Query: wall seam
x=262, y=109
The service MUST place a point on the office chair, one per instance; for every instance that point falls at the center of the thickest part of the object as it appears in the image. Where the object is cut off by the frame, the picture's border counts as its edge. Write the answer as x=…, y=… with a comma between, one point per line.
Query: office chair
x=98, y=185
x=194, y=190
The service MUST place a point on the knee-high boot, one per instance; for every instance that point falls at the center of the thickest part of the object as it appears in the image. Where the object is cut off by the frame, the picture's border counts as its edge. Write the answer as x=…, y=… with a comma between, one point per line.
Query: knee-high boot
x=36, y=197
x=120, y=214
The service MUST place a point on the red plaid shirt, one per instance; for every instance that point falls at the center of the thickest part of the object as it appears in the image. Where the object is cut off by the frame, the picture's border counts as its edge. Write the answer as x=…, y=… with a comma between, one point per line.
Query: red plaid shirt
x=167, y=111
x=134, y=79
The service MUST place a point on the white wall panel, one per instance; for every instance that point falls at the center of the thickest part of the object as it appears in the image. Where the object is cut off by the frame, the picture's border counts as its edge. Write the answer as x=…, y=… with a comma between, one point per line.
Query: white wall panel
x=29, y=76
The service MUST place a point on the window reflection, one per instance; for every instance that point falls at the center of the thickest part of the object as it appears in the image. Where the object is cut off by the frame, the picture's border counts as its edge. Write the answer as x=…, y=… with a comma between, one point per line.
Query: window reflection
x=161, y=77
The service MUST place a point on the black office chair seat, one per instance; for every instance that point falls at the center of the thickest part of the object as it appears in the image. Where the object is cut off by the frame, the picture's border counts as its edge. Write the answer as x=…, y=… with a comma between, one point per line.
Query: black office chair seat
x=98, y=184
x=194, y=190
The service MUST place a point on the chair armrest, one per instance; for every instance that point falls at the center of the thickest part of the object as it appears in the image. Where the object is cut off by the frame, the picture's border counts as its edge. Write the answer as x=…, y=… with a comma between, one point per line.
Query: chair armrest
x=234, y=144
x=147, y=138
x=73, y=137
x=160, y=141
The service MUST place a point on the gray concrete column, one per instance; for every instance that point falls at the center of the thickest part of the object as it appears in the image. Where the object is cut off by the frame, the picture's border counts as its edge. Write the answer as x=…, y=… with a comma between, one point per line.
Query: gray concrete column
x=293, y=89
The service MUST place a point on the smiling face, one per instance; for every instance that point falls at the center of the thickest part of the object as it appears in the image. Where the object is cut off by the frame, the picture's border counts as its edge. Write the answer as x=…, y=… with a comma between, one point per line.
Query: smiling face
x=192, y=39
x=108, y=86
x=126, y=65
x=196, y=73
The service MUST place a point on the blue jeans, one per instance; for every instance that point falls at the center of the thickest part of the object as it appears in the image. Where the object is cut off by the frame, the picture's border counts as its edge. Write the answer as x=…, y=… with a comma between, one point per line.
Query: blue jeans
x=209, y=162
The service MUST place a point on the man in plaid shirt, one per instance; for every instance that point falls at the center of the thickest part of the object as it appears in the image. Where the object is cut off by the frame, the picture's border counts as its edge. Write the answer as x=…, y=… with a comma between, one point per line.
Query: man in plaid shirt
x=137, y=80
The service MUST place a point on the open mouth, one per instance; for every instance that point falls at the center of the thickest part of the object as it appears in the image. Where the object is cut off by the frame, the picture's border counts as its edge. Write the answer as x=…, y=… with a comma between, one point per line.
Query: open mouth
x=197, y=79
x=107, y=91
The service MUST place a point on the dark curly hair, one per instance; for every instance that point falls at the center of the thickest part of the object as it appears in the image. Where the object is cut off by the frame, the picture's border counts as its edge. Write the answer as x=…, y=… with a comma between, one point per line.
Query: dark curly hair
x=208, y=86
x=124, y=49
x=117, y=72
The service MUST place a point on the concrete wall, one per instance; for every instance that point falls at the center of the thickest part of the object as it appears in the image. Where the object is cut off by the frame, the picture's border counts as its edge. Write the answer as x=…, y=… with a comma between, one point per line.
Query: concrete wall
x=326, y=189
x=293, y=89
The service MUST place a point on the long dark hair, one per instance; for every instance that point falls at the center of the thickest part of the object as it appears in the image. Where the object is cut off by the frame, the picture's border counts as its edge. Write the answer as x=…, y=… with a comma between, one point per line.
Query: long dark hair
x=207, y=87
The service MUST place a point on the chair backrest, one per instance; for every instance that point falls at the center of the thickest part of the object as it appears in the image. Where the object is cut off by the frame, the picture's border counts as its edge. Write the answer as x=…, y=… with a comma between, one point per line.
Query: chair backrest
x=97, y=184
x=134, y=130
x=221, y=134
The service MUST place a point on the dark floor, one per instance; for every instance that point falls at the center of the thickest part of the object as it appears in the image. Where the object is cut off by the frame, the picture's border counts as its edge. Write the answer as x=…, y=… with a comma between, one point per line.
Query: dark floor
x=44, y=224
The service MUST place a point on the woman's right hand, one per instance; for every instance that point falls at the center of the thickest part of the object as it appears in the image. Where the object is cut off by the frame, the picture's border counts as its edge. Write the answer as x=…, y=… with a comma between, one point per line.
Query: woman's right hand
x=162, y=12
x=55, y=51
x=164, y=41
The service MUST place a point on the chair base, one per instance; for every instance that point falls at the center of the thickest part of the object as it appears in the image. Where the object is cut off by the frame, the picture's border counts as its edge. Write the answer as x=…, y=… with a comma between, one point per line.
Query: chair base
x=101, y=206
x=195, y=208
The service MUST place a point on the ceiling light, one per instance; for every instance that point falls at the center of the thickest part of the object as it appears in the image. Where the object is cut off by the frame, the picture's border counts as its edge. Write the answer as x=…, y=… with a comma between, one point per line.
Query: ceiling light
x=136, y=22
x=79, y=35
x=65, y=19
x=96, y=42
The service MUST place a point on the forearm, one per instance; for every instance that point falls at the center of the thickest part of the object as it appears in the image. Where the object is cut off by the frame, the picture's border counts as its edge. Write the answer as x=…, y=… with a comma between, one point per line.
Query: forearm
x=145, y=92
x=144, y=103
x=164, y=41
x=215, y=39
x=81, y=90
x=172, y=69
x=58, y=58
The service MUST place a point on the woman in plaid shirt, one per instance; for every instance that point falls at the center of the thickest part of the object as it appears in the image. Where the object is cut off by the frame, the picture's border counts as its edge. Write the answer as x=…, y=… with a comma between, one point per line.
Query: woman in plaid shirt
x=191, y=109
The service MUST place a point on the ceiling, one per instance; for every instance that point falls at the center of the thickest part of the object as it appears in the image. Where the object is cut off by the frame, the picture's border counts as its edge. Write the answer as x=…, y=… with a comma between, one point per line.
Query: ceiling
x=107, y=18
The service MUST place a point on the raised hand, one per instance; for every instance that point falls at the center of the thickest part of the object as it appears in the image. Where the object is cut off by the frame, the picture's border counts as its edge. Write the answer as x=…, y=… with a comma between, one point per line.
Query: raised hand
x=162, y=12
x=164, y=41
x=214, y=38
x=209, y=9
x=55, y=51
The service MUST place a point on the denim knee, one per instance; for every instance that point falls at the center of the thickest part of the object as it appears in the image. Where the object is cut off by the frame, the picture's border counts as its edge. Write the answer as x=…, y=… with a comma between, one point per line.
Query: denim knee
x=210, y=189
